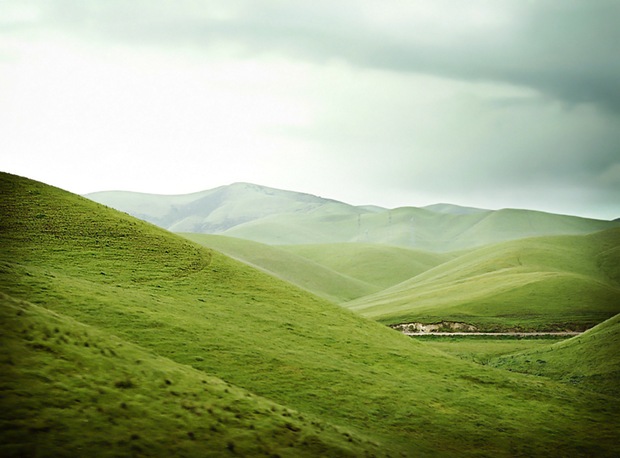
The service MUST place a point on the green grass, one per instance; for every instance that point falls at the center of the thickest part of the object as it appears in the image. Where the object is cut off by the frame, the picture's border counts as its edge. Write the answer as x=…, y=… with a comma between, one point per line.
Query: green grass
x=483, y=349
x=590, y=360
x=338, y=272
x=546, y=283
x=379, y=265
x=199, y=313
x=315, y=277
x=71, y=390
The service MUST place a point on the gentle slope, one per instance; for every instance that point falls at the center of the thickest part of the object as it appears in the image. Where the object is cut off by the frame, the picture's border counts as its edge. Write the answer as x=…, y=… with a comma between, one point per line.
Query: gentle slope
x=546, y=283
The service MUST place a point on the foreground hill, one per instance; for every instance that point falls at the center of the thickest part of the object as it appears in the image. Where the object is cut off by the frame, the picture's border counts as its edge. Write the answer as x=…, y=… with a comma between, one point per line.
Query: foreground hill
x=277, y=217
x=69, y=390
x=183, y=309
x=546, y=283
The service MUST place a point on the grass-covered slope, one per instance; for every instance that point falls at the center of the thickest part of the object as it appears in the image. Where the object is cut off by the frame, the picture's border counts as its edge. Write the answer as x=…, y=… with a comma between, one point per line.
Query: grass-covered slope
x=214, y=316
x=301, y=271
x=539, y=283
x=338, y=272
x=274, y=216
x=71, y=390
x=379, y=265
x=590, y=360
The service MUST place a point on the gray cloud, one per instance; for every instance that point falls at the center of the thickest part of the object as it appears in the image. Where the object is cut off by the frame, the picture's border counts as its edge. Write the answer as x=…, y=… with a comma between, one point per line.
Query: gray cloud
x=565, y=49
x=510, y=99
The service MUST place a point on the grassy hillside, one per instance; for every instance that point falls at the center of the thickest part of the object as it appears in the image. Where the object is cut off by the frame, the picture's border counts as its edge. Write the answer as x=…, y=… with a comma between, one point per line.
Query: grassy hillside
x=71, y=390
x=590, y=360
x=278, y=217
x=214, y=316
x=338, y=272
x=540, y=283
x=380, y=265
x=319, y=279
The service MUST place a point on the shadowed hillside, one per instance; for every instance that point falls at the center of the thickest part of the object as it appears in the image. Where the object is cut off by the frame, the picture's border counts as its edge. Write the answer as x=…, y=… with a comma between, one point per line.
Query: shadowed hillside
x=203, y=314
x=276, y=217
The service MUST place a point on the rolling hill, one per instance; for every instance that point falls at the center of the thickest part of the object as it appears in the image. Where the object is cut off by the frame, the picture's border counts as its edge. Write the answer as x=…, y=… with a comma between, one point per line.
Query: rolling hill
x=278, y=217
x=69, y=390
x=301, y=271
x=590, y=360
x=338, y=272
x=380, y=265
x=546, y=283
x=171, y=310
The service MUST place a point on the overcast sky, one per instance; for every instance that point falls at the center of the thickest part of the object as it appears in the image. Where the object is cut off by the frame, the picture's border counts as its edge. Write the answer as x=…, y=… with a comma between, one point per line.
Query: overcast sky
x=484, y=103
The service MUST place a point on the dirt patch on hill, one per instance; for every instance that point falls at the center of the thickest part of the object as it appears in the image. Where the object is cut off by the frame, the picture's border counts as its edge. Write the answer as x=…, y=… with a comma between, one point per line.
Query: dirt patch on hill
x=443, y=326
x=452, y=328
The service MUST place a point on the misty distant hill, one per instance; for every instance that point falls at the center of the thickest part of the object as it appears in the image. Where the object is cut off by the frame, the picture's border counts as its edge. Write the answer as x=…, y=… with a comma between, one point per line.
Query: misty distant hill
x=280, y=217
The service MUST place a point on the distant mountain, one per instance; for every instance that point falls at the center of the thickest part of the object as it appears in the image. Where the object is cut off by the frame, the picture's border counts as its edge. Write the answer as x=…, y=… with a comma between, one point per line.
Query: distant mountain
x=212, y=211
x=280, y=217
x=451, y=209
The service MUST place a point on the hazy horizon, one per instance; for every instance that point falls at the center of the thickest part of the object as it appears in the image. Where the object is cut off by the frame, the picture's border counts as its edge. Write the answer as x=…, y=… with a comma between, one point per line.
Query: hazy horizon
x=487, y=104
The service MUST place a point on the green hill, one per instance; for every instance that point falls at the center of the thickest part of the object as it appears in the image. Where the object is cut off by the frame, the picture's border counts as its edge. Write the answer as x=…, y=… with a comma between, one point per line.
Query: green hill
x=71, y=390
x=278, y=217
x=338, y=272
x=305, y=273
x=542, y=283
x=183, y=309
x=380, y=265
x=590, y=360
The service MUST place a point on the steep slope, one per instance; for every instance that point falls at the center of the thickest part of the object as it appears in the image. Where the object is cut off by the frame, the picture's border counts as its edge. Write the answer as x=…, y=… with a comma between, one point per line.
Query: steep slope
x=590, y=360
x=298, y=270
x=70, y=390
x=538, y=283
x=274, y=216
x=201, y=309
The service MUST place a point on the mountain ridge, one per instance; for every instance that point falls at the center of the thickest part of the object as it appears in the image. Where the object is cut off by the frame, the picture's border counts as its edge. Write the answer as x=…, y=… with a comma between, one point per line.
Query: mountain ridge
x=280, y=217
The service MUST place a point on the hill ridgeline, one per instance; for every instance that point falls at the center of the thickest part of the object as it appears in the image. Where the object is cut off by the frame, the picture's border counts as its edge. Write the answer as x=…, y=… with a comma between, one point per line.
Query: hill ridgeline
x=279, y=217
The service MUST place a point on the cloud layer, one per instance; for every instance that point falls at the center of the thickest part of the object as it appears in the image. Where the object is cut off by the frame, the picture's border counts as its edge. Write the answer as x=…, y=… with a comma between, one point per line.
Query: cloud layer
x=489, y=103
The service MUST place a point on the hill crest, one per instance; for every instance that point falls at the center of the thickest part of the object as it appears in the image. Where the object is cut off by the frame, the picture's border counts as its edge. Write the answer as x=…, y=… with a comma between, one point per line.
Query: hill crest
x=279, y=217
